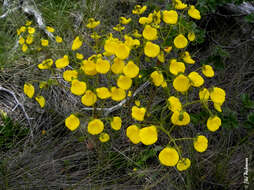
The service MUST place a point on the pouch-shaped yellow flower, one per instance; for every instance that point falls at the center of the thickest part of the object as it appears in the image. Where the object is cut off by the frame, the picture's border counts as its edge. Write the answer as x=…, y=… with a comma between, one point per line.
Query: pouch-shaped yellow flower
x=118, y=28
x=170, y=17
x=161, y=57
x=29, y=90
x=145, y=20
x=89, y=98
x=168, y=49
x=62, y=62
x=124, y=82
x=187, y=58
x=180, y=5
x=217, y=106
x=130, y=42
x=104, y=137
x=79, y=56
x=204, y=94
x=196, y=79
x=132, y=132
x=69, y=75
x=44, y=42
x=139, y=10
x=136, y=34
x=176, y=67
x=72, y=122
x=122, y=51
x=150, y=33
x=117, y=66
x=46, y=64
x=76, y=44
x=117, y=94
x=40, y=100
x=103, y=92
x=102, y=66
x=151, y=49
x=180, y=118
x=95, y=127
x=50, y=29
x=138, y=113
x=180, y=41
x=89, y=67
x=183, y=164
x=181, y=83
x=200, y=143
x=148, y=135
x=191, y=36
x=92, y=23
x=124, y=20
x=207, y=70
x=194, y=13
x=213, y=123
x=174, y=104
x=217, y=95
x=157, y=78
x=31, y=30
x=131, y=69
x=169, y=156
x=111, y=45
x=116, y=123
x=59, y=39
x=78, y=87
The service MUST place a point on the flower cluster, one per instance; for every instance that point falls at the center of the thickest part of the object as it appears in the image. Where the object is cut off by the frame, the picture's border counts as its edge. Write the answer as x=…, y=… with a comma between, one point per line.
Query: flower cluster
x=161, y=39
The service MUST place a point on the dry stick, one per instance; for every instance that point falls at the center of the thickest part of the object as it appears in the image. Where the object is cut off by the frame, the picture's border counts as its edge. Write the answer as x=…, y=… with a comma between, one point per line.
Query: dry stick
x=116, y=107
x=18, y=104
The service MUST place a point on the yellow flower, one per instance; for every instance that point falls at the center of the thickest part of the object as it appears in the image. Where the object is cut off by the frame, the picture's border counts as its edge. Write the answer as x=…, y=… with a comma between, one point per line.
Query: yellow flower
x=50, y=29
x=213, y=123
x=62, y=62
x=194, y=13
x=138, y=113
x=137, y=102
x=104, y=137
x=95, y=127
x=78, y=87
x=130, y=42
x=43, y=84
x=148, y=135
x=146, y=20
x=169, y=156
x=72, y=122
x=164, y=84
x=44, y=42
x=156, y=16
x=196, y=79
x=200, y=143
x=116, y=123
x=117, y=94
x=129, y=93
x=180, y=118
x=136, y=34
x=180, y=5
x=30, y=30
x=183, y=164
x=46, y=64
x=187, y=58
x=111, y=45
x=76, y=44
x=79, y=56
x=29, y=90
x=122, y=51
x=161, y=57
x=28, y=23
x=92, y=23
x=181, y=83
x=176, y=67
x=124, y=82
x=207, y=70
x=21, y=40
x=89, y=67
x=24, y=47
x=170, y=17
x=103, y=92
x=102, y=66
x=131, y=69
x=70, y=75
x=117, y=66
x=217, y=95
x=168, y=49
x=217, y=106
x=191, y=36
x=22, y=29
x=95, y=36
x=118, y=28
x=151, y=49
x=40, y=100
x=174, y=104
x=204, y=94
x=132, y=132
x=29, y=39
x=150, y=33
x=180, y=41
x=59, y=39
x=124, y=20
x=89, y=98
x=138, y=10
x=157, y=78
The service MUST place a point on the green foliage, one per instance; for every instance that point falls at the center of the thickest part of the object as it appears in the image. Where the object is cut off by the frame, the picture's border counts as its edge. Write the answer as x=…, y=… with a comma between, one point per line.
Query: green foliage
x=10, y=132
